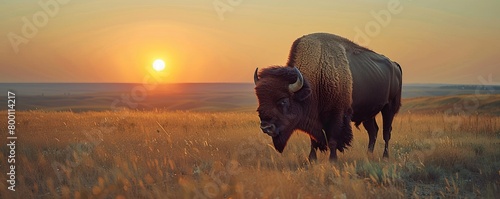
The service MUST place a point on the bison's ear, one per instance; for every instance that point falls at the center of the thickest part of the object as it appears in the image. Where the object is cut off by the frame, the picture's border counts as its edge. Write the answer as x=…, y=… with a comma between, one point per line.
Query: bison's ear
x=303, y=93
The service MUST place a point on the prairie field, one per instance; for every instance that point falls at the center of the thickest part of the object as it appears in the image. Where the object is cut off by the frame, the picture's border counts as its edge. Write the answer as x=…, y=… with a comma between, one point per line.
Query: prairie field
x=184, y=154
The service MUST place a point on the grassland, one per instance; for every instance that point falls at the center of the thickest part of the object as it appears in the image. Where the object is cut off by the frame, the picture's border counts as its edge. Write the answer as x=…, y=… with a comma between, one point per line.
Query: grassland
x=466, y=104
x=134, y=154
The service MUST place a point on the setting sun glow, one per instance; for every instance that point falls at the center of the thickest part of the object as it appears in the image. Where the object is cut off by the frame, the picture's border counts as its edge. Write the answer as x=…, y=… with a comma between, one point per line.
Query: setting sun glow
x=159, y=65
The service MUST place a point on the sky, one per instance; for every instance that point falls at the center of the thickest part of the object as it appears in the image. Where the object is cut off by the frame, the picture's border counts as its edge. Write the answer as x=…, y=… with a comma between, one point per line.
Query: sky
x=447, y=41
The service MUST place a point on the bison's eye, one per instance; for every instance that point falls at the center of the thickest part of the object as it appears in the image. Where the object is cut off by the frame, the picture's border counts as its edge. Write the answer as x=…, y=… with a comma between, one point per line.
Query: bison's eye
x=283, y=104
x=284, y=101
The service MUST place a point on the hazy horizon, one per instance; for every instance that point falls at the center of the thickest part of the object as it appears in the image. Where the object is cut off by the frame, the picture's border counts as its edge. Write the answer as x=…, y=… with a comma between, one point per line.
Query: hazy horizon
x=56, y=41
x=172, y=83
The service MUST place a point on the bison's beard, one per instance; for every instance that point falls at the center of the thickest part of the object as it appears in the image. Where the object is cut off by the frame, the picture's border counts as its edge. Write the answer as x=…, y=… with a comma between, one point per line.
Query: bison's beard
x=280, y=140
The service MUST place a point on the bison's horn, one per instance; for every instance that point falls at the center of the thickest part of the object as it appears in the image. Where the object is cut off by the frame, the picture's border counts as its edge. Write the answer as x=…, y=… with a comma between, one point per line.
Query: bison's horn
x=255, y=77
x=298, y=84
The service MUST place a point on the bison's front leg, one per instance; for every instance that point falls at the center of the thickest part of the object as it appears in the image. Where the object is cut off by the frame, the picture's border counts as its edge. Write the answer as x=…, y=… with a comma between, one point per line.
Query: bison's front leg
x=312, y=154
x=318, y=141
x=339, y=133
x=333, y=132
x=332, y=144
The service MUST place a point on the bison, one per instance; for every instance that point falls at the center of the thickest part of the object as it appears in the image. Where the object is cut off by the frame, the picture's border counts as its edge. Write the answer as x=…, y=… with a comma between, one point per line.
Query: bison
x=328, y=82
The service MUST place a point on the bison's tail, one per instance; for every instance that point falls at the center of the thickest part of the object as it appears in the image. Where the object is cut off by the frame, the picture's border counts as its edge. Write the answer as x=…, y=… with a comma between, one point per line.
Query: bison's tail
x=396, y=103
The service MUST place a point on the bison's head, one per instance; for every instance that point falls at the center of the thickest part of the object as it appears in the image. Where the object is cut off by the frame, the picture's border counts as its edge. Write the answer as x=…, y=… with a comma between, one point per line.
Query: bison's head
x=283, y=98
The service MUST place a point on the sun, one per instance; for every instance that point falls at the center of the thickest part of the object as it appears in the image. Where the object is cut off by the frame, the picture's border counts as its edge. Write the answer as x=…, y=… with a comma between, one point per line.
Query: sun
x=159, y=65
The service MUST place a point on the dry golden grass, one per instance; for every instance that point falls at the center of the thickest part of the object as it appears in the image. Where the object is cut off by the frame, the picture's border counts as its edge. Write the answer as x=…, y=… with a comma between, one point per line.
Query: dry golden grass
x=132, y=154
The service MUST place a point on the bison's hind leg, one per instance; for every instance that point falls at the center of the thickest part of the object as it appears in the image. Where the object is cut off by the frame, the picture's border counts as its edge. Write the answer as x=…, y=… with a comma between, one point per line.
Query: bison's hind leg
x=387, y=117
x=372, y=129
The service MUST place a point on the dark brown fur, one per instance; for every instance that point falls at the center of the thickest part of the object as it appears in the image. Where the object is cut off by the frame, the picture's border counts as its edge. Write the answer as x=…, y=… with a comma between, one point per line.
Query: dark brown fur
x=329, y=100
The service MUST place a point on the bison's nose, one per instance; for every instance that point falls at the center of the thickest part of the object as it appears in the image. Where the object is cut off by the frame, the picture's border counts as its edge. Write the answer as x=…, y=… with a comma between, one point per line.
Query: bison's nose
x=268, y=128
